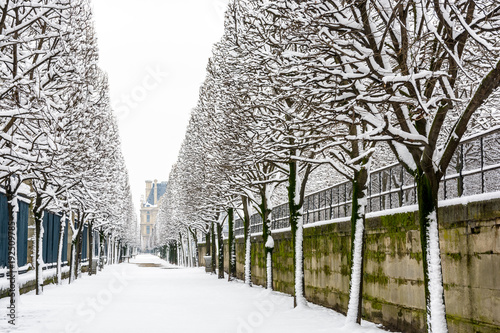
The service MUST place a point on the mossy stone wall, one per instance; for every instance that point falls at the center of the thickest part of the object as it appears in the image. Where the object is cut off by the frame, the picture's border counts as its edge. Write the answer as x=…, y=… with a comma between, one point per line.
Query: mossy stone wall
x=393, y=293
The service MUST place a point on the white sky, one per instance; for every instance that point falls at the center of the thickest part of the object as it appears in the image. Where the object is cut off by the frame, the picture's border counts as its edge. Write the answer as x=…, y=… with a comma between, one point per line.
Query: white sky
x=155, y=53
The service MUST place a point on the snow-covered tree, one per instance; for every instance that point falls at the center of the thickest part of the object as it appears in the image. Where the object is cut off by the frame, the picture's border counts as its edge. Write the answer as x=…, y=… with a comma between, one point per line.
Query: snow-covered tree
x=428, y=68
x=30, y=112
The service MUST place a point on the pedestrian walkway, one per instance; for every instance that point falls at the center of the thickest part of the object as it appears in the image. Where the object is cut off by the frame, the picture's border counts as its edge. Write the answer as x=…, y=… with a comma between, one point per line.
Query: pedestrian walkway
x=149, y=295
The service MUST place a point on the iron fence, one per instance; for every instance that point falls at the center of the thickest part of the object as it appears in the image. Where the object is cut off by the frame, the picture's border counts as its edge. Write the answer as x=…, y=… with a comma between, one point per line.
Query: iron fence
x=474, y=169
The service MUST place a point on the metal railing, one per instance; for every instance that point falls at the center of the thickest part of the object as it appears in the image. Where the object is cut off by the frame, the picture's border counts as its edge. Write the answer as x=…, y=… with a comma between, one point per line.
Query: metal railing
x=474, y=169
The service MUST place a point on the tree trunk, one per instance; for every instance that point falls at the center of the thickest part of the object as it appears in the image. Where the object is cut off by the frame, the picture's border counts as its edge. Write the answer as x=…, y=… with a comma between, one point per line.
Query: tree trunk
x=207, y=243
x=214, y=257
x=183, y=253
x=265, y=209
x=231, y=245
x=175, y=260
x=170, y=253
x=111, y=253
x=180, y=256
x=78, y=261
x=78, y=246
x=60, y=246
x=189, y=248
x=220, y=243
x=296, y=224
x=196, y=252
x=113, y=250
x=359, y=193
x=248, y=242
x=91, y=245
x=101, y=252
x=13, y=184
x=38, y=214
x=72, y=260
x=110, y=250
x=109, y=256
x=109, y=260
x=427, y=189
x=78, y=257
x=119, y=253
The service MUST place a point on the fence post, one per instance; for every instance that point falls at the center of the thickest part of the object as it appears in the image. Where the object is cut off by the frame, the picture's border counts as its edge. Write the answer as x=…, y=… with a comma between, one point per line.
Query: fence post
x=345, y=199
x=319, y=203
x=460, y=170
x=331, y=203
x=338, y=199
x=401, y=192
x=318, y=212
x=380, y=190
x=390, y=188
x=308, y=208
x=482, y=164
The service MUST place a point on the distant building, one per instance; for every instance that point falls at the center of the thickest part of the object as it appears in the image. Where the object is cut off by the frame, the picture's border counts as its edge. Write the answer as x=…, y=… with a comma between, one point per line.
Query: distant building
x=149, y=212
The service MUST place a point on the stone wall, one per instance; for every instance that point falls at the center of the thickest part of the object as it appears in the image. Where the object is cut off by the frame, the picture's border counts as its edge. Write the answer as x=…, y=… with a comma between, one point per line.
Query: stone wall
x=30, y=285
x=393, y=291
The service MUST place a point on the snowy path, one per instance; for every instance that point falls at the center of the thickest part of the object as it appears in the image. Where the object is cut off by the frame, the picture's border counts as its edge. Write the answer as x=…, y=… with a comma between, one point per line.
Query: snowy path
x=161, y=298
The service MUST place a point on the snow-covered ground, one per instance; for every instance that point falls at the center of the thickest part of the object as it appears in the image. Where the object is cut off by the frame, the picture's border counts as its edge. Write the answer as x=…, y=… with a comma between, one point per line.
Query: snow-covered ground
x=149, y=295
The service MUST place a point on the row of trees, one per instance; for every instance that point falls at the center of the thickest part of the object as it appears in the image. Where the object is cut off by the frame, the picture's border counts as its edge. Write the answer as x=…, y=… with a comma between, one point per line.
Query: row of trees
x=59, y=140
x=293, y=85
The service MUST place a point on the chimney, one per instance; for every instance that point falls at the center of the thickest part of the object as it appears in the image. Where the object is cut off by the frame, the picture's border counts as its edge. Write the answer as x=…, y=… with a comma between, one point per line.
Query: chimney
x=156, y=192
x=148, y=189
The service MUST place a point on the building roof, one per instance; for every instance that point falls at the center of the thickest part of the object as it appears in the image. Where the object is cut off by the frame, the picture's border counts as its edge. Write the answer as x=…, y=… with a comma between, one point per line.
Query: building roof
x=162, y=188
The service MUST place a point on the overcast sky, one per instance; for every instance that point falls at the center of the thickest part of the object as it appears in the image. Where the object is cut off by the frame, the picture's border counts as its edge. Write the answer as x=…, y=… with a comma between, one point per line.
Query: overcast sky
x=155, y=53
